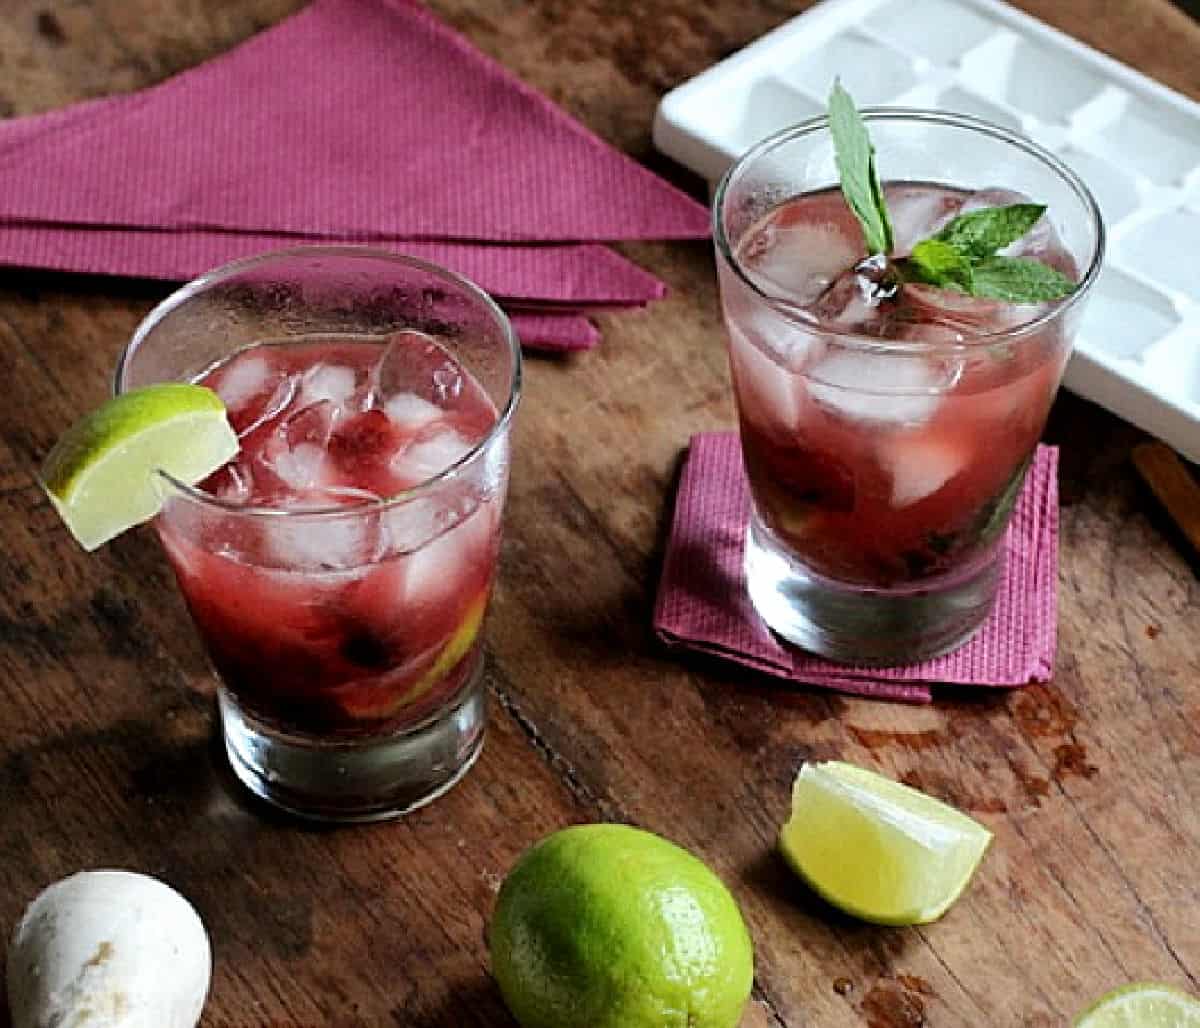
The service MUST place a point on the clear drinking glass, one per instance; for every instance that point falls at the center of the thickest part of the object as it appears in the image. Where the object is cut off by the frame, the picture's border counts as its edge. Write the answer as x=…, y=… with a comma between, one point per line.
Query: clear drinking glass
x=344, y=624
x=884, y=460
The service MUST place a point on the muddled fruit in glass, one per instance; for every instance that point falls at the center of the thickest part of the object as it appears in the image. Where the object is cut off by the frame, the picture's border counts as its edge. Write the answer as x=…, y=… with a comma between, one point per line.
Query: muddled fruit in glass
x=350, y=600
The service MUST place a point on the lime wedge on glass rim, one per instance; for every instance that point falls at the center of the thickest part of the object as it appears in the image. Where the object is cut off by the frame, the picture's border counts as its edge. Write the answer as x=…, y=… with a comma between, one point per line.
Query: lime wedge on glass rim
x=1142, y=1005
x=100, y=475
x=876, y=849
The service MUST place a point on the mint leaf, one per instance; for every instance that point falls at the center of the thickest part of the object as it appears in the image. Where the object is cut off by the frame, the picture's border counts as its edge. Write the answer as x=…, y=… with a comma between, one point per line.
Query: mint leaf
x=856, y=168
x=939, y=264
x=981, y=233
x=1019, y=280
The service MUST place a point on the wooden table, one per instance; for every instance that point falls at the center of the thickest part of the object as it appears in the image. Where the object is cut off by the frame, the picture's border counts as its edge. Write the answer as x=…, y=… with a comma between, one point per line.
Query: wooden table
x=1091, y=783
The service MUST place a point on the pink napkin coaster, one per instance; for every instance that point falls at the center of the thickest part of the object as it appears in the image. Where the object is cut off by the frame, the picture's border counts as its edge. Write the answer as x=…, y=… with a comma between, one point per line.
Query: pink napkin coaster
x=703, y=605
x=352, y=116
x=585, y=274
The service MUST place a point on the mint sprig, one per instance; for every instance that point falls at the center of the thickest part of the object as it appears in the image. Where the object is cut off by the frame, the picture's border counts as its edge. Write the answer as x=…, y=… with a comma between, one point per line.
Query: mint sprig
x=980, y=233
x=963, y=255
x=1019, y=280
x=942, y=264
x=855, y=157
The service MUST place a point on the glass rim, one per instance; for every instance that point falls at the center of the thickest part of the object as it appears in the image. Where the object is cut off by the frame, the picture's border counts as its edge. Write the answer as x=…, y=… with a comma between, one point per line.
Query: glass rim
x=854, y=340
x=228, y=270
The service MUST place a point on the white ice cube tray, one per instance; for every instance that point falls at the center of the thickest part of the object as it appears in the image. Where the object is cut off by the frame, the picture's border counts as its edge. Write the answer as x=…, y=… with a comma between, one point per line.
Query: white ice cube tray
x=1135, y=142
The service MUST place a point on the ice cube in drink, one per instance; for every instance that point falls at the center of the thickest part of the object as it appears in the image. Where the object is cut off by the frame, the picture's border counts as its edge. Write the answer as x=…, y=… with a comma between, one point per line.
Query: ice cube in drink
x=351, y=603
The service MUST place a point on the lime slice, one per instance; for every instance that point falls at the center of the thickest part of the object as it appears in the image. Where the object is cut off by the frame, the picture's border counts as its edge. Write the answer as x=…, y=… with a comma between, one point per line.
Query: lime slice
x=877, y=849
x=1142, y=1005
x=101, y=473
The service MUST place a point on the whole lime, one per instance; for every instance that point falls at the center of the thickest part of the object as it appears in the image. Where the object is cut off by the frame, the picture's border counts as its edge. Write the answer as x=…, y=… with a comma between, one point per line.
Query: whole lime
x=607, y=926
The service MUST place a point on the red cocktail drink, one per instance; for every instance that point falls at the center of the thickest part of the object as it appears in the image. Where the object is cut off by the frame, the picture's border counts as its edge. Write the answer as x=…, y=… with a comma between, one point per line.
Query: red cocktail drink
x=339, y=568
x=877, y=468
x=342, y=624
x=887, y=422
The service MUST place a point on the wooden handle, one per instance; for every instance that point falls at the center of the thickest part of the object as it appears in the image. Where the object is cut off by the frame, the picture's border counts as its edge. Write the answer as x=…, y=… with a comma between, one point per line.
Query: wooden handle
x=1174, y=486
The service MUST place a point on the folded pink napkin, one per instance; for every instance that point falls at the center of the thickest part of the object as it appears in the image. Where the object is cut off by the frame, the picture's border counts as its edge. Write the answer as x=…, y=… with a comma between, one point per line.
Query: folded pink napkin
x=554, y=331
x=351, y=117
x=703, y=605
x=585, y=274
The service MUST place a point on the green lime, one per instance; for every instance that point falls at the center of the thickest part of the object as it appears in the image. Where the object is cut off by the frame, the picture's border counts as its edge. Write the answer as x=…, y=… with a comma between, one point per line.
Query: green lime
x=879, y=850
x=612, y=927
x=1142, y=1005
x=100, y=475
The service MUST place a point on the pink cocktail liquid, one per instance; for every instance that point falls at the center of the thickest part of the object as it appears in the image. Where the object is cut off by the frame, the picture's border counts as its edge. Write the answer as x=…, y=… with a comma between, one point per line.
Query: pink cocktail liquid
x=342, y=623
x=885, y=466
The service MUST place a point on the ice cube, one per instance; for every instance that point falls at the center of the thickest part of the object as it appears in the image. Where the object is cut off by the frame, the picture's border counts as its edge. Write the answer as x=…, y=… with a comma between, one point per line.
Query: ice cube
x=918, y=213
x=276, y=403
x=300, y=467
x=862, y=300
x=231, y=484
x=785, y=339
x=800, y=260
x=331, y=382
x=314, y=542
x=441, y=567
x=406, y=364
x=297, y=452
x=429, y=456
x=938, y=315
x=768, y=394
x=409, y=526
x=921, y=465
x=993, y=196
x=242, y=380
x=410, y=411
x=879, y=387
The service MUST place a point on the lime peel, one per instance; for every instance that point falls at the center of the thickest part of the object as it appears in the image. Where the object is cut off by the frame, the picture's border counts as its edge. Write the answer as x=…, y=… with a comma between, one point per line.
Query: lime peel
x=877, y=849
x=101, y=474
x=1142, y=1005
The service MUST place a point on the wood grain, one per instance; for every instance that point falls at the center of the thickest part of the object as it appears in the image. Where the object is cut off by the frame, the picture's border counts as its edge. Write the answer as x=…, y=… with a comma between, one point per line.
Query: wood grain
x=1091, y=783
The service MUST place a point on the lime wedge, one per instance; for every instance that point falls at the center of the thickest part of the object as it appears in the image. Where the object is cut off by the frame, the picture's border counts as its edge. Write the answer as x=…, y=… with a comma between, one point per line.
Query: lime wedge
x=101, y=473
x=1142, y=1005
x=877, y=849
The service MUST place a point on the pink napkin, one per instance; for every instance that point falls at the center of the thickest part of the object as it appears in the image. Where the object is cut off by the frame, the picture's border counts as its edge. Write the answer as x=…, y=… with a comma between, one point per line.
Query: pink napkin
x=553, y=331
x=355, y=121
x=703, y=605
x=585, y=274
x=352, y=117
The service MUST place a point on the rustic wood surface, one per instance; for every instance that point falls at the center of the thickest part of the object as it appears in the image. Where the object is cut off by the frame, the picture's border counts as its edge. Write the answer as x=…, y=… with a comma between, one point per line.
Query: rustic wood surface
x=1091, y=783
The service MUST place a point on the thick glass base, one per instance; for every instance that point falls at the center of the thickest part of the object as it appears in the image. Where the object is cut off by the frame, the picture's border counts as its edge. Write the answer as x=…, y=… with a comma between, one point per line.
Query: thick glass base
x=363, y=779
x=857, y=625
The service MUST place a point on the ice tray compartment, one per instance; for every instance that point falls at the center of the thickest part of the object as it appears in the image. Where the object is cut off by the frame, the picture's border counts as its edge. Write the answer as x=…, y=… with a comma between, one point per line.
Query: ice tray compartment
x=1135, y=143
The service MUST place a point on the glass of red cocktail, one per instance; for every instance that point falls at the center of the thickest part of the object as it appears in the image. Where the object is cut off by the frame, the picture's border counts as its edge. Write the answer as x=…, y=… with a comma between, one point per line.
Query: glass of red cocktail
x=339, y=567
x=887, y=424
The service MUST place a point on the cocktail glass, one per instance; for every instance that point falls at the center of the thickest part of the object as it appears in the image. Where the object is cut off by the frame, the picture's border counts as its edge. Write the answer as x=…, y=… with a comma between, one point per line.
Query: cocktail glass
x=346, y=634
x=884, y=465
